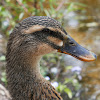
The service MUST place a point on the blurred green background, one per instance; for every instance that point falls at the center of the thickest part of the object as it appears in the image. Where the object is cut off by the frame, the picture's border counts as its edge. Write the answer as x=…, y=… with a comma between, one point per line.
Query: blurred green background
x=73, y=79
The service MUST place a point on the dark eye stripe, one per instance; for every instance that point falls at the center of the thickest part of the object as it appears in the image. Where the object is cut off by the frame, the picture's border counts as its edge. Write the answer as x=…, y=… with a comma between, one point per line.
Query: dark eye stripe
x=44, y=33
x=47, y=32
x=55, y=34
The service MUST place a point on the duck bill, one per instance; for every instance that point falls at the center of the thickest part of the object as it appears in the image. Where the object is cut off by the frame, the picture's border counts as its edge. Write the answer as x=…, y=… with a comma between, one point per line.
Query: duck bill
x=77, y=50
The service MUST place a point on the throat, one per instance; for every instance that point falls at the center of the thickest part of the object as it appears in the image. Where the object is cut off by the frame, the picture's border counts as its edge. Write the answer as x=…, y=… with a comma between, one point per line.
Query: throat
x=25, y=68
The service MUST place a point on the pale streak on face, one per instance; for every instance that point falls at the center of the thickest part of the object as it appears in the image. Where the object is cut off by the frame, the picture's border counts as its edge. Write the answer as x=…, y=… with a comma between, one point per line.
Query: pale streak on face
x=56, y=41
x=33, y=29
x=56, y=29
x=61, y=43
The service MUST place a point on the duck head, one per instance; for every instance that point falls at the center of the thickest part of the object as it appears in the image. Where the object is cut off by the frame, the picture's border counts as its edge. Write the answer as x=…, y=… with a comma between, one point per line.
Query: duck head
x=42, y=35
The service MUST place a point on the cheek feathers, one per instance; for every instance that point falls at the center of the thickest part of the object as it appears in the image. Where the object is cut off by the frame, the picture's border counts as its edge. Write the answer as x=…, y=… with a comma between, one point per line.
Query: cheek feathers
x=45, y=48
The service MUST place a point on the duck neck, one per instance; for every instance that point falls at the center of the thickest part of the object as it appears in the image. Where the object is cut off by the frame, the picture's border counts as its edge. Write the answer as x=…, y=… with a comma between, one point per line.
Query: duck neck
x=24, y=66
x=22, y=75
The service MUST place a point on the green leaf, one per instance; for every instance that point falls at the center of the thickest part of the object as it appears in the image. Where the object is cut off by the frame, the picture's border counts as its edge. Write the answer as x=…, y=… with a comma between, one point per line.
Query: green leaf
x=0, y=8
x=68, y=67
x=7, y=0
x=3, y=78
x=2, y=58
x=70, y=7
x=46, y=12
x=21, y=1
x=41, y=5
x=21, y=16
x=68, y=91
x=61, y=87
x=67, y=80
x=80, y=4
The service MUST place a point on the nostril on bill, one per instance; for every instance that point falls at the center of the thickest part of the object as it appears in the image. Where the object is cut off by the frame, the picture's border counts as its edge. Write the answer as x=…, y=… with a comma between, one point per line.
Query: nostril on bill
x=94, y=55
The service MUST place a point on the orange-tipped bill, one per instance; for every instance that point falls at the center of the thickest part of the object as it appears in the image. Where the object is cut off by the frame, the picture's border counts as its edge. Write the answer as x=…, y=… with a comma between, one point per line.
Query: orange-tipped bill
x=72, y=48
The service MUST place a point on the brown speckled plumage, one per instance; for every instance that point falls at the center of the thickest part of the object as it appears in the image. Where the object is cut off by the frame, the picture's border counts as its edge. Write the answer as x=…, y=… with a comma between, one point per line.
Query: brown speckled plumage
x=23, y=54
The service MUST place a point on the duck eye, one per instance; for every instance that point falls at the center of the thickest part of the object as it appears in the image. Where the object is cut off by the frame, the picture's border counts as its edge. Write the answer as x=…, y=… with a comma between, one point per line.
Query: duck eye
x=72, y=43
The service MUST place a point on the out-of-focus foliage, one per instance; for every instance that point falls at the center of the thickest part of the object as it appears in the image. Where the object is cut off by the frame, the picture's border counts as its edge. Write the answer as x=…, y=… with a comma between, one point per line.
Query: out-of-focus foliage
x=55, y=62
x=12, y=11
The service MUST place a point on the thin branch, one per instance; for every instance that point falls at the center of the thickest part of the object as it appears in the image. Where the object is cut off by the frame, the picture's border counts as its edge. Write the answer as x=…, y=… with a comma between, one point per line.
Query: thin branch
x=60, y=6
x=35, y=6
x=26, y=10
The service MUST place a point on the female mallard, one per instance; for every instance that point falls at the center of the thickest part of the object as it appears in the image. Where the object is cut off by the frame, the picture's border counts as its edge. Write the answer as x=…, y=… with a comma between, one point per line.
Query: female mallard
x=30, y=40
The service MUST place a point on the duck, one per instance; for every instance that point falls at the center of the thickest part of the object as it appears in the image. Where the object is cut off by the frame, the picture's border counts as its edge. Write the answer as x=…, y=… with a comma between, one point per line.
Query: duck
x=32, y=38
